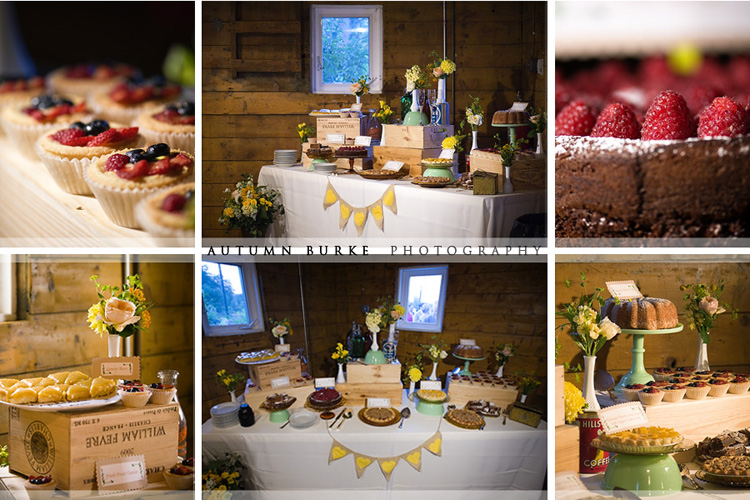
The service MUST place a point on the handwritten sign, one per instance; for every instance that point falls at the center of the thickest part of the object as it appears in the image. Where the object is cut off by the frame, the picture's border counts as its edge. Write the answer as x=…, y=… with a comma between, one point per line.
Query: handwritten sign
x=623, y=417
x=378, y=403
x=127, y=368
x=280, y=382
x=337, y=138
x=362, y=140
x=519, y=106
x=121, y=473
x=431, y=385
x=468, y=341
x=282, y=347
x=393, y=165
x=447, y=154
x=624, y=290
x=325, y=382
x=357, y=106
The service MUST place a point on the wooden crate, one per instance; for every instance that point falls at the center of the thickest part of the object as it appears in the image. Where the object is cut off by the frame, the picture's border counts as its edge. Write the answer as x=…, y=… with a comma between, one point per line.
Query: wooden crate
x=461, y=392
x=411, y=158
x=415, y=136
x=254, y=397
x=559, y=395
x=67, y=444
x=359, y=163
x=350, y=127
x=262, y=375
x=357, y=394
x=566, y=448
x=360, y=373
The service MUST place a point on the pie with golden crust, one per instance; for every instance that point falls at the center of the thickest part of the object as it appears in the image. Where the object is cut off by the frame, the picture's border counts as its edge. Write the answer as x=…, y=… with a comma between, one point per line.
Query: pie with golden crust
x=465, y=418
x=728, y=466
x=643, y=436
x=378, y=415
x=431, y=396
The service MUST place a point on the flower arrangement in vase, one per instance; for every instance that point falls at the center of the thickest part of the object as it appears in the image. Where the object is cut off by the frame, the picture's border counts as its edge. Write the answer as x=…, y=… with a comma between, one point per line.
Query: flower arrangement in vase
x=441, y=68
x=121, y=314
x=305, y=131
x=340, y=356
x=383, y=113
x=230, y=382
x=415, y=375
x=589, y=331
x=435, y=351
x=222, y=475
x=251, y=209
x=702, y=307
x=526, y=386
x=474, y=118
x=360, y=86
x=379, y=318
x=416, y=79
x=537, y=126
x=503, y=352
x=281, y=329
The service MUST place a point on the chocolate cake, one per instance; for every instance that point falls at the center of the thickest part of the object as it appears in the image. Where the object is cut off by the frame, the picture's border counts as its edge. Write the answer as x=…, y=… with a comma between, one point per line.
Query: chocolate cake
x=645, y=313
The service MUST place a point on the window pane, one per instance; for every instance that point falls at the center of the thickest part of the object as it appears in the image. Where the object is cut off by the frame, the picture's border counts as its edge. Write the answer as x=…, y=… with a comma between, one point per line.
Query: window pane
x=346, y=48
x=424, y=295
x=224, y=294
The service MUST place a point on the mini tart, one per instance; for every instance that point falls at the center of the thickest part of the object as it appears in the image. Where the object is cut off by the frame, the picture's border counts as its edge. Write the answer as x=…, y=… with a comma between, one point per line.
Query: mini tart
x=119, y=197
x=137, y=399
x=179, y=136
x=739, y=385
x=172, y=229
x=650, y=396
x=40, y=491
x=127, y=112
x=631, y=393
x=23, y=130
x=66, y=164
x=162, y=396
x=673, y=393
x=85, y=79
x=718, y=388
x=699, y=391
x=179, y=481
x=663, y=374
x=18, y=90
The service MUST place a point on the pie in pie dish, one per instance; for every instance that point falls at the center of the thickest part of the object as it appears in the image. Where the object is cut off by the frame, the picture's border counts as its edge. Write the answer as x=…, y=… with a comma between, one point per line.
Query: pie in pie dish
x=380, y=416
x=728, y=466
x=465, y=418
x=643, y=436
x=431, y=396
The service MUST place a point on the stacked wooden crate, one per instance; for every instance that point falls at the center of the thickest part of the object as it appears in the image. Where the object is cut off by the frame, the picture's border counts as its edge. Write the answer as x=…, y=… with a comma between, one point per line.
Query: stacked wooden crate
x=410, y=145
x=371, y=381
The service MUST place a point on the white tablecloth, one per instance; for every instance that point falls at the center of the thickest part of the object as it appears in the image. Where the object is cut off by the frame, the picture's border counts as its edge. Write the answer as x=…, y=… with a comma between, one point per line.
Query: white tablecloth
x=500, y=457
x=447, y=216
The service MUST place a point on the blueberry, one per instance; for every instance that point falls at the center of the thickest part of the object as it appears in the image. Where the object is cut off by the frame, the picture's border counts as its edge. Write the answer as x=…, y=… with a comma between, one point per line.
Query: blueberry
x=172, y=107
x=156, y=150
x=190, y=194
x=154, y=385
x=136, y=155
x=155, y=81
x=96, y=127
x=186, y=108
x=79, y=125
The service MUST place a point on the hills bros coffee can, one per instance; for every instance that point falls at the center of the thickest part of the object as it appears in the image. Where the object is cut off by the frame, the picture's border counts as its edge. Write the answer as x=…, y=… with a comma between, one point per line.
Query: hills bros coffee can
x=592, y=460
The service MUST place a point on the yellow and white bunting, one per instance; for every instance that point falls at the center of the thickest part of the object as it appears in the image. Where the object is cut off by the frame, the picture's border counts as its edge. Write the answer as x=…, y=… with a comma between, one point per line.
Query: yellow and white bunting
x=387, y=465
x=414, y=458
x=361, y=215
x=362, y=462
x=337, y=451
x=435, y=444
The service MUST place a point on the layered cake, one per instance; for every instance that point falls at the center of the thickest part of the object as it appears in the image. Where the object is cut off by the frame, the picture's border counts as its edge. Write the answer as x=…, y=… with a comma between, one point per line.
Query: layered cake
x=645, y=313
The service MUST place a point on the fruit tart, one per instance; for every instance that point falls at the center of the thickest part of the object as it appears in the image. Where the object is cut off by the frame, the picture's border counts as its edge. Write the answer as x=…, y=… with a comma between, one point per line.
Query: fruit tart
x=631, y=391
x=697, y=390
x=181, y=475
x=673, y=393
x=162, y=394
x=85, y=79
x=650, y=396
x=134, y=396
x=718, y=387
x=25, y=122
x=126, y=101
x=66, y=151
x=121, y=180
x=739, y=385
x=18, y=90
x=173, y=124
x=40, y=487
x=169, y=215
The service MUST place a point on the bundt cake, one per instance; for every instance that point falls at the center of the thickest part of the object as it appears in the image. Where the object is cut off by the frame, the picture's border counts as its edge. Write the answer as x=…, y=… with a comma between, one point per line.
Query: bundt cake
x=469, y=351
x=645, y=313
x=510, y=117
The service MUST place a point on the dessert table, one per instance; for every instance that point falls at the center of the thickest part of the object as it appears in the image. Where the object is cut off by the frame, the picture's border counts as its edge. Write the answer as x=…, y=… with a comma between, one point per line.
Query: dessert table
x=444, y=215
x=500, y=457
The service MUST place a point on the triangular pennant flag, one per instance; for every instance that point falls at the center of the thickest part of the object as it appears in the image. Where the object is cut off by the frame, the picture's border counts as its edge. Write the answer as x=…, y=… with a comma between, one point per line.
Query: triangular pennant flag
x=345, y=211
x=435, y=444
x=360, y=219
x=331, y=196
x=414, y=458
x=389, y=199
x=337, y=451
x=387, y=465
x=361, y=462
x=376, y=209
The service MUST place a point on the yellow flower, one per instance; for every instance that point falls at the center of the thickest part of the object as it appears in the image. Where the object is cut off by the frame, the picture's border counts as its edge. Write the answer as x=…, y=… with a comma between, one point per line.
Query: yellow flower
x=224, y=475
x=574, y=402
x=222, y=487
x=415, y=374
x=145, y=320
x=450, y=142
x=448, y=66
x=96, y=318
x=234, y=474
x=138, y=294
x=229, y=212
x=221, y=373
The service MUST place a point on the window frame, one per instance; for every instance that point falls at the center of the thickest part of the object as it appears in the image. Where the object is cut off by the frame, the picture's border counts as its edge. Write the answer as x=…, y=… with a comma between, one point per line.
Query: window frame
x=8, y=288
x=252, y=296
x=375, y=14
x=406, y=273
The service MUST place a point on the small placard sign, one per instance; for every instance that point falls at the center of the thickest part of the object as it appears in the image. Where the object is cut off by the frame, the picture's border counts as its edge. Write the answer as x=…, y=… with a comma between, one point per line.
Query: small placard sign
x=121, y=473
x=325, y=382
x=519, y=106
x=357, y=106
x=431, y=385
x=468, y=341
x=624, y=290
x=378, y=403
x=362, y=140
x=623, y=417
x=280, y=382
x=283, y=347
x=337, y=138
x=447, y=154
x=126, y=368
x=393, y=165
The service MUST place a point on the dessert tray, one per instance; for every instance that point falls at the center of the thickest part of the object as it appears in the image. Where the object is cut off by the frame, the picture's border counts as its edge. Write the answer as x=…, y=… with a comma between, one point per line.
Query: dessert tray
x=386, y=421
x=282, y=402
x=381, y=174
x=485, y=408
x=432, y=182
x=257, y=357
x=88, y=404
x=465, y=419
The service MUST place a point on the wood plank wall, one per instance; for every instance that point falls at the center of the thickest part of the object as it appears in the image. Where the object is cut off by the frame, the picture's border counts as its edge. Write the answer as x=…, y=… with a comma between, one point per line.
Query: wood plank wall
x=54, y=335
x=491, y=303
x=246, y=118
x=728, y=349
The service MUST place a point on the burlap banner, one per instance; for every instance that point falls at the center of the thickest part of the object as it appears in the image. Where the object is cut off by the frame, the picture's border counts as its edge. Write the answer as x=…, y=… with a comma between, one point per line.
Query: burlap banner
x=361, y=215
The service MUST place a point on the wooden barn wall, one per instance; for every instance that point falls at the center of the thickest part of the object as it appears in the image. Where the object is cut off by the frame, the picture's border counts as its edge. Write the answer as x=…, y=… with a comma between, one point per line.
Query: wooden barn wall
x=246, y=118
x=728, y=349
x=491, y=303
x=53, y=335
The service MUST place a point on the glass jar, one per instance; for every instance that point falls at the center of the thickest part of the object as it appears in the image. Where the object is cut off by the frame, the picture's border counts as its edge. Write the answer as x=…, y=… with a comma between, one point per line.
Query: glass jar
x=169, y=377
x=246, y=415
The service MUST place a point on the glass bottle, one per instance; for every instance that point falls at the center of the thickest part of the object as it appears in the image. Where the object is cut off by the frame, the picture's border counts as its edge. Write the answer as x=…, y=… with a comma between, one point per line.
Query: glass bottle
x=350, y=338
x=302, y=361
x=169, y=377
x=358, y=348
x=246, y=415
x=405, y=103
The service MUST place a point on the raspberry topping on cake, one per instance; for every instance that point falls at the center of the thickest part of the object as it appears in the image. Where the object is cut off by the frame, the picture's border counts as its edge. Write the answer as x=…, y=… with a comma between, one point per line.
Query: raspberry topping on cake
x=617, y=120
x=177, y=114
x=724, y=117
x=21, y=84
x=156, y=160
x=577, y=118
x=132, y=93
x=668, y=118
x=95, y=133
x=45, y=108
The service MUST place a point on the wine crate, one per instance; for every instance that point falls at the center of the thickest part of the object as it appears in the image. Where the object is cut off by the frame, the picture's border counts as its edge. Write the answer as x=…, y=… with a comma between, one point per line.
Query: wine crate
x=255, y=396
x=416, y=137
x=461, y=392
x=350, y=127
x=360, y=373
x=559, y=395
x=411, y=158
x=68, y=444
x=356, y=394
x=262, y=375
x=566, y=448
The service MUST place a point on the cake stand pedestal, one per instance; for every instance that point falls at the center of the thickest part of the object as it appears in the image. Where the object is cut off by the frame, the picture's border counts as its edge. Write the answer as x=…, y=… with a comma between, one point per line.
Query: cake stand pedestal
x=317, y=158
x=511, y=130
x=279, y=416
x=430, y=408
x=467, y=362
x=351, y=164
x=638, y=373
x=646, y=475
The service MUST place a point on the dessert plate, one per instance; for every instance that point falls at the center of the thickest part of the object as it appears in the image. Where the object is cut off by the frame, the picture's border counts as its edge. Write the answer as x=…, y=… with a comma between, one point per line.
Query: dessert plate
x=88, y=404
x=380, y=174
x=427, y=184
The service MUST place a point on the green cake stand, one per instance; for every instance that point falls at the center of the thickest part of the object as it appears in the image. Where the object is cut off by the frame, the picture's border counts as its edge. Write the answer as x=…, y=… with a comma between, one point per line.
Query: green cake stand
x=638, y=373
x=430, y=408
x=467, y=362
x=511, y=130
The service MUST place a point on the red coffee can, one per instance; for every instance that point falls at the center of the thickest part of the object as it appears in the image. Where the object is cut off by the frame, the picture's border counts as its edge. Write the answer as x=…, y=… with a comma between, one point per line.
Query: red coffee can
x=592, y=460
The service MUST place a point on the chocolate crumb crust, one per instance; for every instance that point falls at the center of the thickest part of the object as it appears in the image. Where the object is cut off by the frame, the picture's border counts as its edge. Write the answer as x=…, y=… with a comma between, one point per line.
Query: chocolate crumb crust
x=621, y=188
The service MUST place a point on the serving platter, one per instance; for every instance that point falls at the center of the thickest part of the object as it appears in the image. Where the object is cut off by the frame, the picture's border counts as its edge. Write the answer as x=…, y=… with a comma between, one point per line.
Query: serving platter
x=87, y=404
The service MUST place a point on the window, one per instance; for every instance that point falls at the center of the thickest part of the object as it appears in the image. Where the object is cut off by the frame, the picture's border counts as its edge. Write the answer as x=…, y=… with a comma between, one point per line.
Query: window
x=347, y=42
x=7, y=288
x=231, y=299
x=422, y=292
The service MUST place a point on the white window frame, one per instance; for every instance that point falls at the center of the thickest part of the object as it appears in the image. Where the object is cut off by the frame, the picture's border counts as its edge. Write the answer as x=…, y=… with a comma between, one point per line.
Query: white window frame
x=404, y=274
x=254, y=307
x=8, y=288
x=317, y=13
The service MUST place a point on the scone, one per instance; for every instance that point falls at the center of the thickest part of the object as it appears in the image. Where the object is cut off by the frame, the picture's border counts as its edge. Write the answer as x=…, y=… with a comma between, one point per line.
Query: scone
x=173, y=124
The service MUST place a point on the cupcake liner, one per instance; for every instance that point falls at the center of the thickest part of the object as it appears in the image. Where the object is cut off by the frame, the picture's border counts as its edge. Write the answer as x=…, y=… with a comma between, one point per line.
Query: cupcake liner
x=162, y=396
x=674, y=396
x=119, y=204
x=177, y=482
x=631, y=394
x=696, y=392
x=24, y=137
x=128, y=115
x=662, y=377
x=739, y=388
x=650, y=399
x=134, y=399
x=182, y=141
x=718, y=391
x=67, y=173
x=165, y=236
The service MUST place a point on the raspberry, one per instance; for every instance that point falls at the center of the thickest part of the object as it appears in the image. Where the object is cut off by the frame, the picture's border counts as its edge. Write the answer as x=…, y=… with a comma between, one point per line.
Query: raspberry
x=668, y=118
x=576, y=118
x=67, y=136
x=617, y=120
x=127, y=133
x=181, y=160
x=140, y=169
x=116, y=162
x=699, y=96
x=160, y=167
x=106, y=137
x=724, y=117
x=173, y=203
